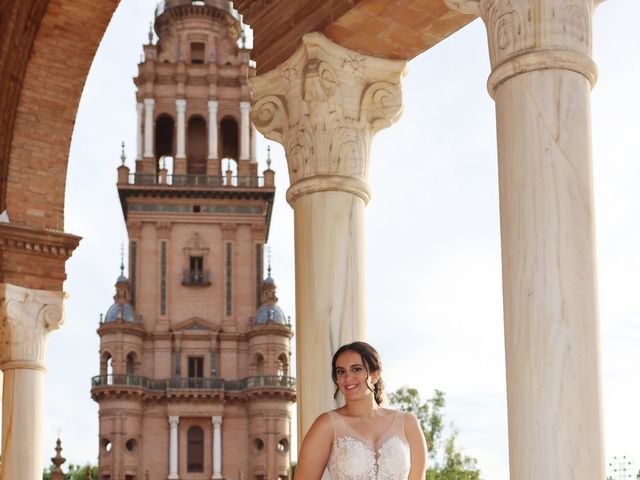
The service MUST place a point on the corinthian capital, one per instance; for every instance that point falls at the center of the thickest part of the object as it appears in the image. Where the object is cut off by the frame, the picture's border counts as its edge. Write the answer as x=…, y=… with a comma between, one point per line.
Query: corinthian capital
x=325, y=104
x=526, y=35
x=26, y=318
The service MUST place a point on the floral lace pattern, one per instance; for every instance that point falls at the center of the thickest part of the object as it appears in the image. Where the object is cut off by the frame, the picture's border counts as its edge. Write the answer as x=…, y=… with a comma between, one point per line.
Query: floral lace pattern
x=352, y=459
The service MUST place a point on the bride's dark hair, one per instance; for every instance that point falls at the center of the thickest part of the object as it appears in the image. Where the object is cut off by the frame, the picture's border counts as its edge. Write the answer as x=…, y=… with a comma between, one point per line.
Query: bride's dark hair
x=372, y=363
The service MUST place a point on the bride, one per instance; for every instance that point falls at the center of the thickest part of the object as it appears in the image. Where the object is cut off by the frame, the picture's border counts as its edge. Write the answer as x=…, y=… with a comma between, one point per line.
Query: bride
x=362, y=440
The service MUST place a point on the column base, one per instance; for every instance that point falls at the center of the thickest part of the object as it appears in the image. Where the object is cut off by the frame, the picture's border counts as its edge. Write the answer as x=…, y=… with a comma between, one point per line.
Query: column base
x=217, y=477
x=173, y=476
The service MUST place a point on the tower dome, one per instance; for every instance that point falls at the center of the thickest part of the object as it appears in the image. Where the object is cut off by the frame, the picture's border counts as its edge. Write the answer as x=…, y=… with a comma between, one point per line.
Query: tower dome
x=270, y=311
x=121, y=308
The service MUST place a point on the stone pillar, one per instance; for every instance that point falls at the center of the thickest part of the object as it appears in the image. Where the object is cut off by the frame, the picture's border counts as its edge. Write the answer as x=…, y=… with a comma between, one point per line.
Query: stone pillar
x=139, y=138
x=541, y=80
x=213, y=129
x=148, y=127
x=181, y=108
x=254, y=144
x=26, y=318
x=173, y=447
x=324, y=105
x=245, y=126
x=217, y=447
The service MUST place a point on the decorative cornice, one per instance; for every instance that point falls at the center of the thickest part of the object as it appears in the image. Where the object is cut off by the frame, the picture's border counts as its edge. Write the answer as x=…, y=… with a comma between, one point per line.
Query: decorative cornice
x=37, y=241
x=26, y=318
x=325, y=104
x=525, y=36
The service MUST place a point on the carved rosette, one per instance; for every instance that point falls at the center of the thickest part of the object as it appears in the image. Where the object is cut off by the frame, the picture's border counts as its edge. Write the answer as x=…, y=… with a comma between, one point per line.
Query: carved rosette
x=26, y=318
x=526, y=35
x=325, y=104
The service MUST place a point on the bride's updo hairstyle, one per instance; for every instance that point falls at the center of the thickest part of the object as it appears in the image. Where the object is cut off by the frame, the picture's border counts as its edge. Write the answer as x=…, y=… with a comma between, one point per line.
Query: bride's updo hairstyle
x=372, y=363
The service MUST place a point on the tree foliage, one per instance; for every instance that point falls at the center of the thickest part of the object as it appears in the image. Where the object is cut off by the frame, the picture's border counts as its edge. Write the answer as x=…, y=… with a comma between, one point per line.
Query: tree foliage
x=446, y=460
x=74, y=472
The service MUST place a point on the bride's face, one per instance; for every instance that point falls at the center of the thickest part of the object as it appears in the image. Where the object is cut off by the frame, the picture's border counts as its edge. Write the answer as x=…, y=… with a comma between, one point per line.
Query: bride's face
x=352, y=377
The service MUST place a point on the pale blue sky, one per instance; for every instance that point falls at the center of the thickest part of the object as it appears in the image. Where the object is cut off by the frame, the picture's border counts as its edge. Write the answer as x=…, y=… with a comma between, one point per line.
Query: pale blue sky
x=433, y=245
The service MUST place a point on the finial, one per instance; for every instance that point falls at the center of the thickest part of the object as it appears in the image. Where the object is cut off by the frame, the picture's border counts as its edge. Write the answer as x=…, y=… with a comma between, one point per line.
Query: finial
x=122, y=259
x=141, y=58
x=58, y=459
x=150, y=33
x=269, y=261
x=268, y=157
x=123, y=157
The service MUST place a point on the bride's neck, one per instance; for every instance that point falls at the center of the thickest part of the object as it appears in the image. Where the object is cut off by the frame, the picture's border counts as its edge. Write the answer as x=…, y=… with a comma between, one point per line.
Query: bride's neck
x=365, y=407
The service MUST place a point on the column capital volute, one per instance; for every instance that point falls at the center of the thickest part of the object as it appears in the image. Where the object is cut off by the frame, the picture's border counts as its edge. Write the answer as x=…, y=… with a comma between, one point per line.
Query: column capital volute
x=174, y=420
x=216, y=420
x=325, y=104
x=526, y=35
x=245, y=106
x=181, y=105
x=213, y=105
x=27, y=316
x=149, y=102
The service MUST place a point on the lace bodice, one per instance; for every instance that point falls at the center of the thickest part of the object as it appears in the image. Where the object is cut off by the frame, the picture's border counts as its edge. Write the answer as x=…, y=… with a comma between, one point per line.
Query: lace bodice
x=354, y=458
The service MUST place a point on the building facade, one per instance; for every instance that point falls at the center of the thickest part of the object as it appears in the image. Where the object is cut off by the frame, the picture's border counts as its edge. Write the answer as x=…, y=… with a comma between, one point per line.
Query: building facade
x=194, y=377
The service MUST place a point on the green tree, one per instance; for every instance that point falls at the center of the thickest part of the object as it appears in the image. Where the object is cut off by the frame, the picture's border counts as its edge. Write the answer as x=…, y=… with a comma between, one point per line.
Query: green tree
x=74, y=472
x=446, y=460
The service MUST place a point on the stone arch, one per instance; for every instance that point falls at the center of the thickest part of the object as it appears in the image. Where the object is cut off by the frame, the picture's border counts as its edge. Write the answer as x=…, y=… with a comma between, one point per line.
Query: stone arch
x=50, y=50
x=257, y=364
x=229, y=137
x=197, y=145
x=164, y=137
x=283, y=365
x=132, y=363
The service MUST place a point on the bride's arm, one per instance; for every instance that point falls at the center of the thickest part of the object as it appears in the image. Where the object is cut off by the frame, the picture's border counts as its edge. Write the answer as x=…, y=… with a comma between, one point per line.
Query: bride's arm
x=418, y=447
x=315, y=450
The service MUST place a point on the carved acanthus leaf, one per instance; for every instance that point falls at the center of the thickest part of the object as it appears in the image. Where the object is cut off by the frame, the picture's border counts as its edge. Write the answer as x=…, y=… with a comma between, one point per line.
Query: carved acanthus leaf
x=325, y=104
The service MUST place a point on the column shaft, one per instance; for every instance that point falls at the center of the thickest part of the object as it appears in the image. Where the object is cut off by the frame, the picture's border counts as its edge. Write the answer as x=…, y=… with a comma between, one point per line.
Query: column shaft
x=26, y=318
x=549, y=276
x=245, y=125
x=541, y=78
x=173, y=447
x=148, y=126
x=330, y=292
x=22, y=424
x=181, y=108
x=213, y=129
x=324, y=105
x=139, y=128
x=217, y=448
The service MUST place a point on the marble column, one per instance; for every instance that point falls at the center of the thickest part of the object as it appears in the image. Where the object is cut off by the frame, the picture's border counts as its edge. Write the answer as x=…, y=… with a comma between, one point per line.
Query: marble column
x=217, y=447
x=148, y=127
x=245, y=125
x=173, y=447
x=324, y=105
x=213, y=129
x=140, y=123
x=26, y=318
x=181, y=108
x=541, y=80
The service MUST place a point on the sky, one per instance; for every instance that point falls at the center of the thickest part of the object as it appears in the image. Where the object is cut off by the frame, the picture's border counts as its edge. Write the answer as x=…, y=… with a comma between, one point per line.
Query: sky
x=432, y=236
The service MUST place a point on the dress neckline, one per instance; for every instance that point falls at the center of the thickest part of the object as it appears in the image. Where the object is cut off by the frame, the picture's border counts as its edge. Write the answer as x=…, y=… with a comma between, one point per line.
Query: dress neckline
x=383, y=437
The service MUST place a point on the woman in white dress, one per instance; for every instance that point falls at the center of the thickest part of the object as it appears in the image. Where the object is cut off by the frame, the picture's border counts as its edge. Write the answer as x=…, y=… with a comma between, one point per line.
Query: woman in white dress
x=362, y=440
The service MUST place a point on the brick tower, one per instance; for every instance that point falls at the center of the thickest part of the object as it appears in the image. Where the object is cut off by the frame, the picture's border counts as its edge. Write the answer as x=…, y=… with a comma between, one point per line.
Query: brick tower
x=194, y=377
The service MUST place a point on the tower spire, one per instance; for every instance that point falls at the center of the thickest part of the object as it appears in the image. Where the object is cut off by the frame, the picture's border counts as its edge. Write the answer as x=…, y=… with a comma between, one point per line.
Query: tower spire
x=150, y=33
x=269, y=262
x=122, y=259
x=123, y=157
x=268, y=157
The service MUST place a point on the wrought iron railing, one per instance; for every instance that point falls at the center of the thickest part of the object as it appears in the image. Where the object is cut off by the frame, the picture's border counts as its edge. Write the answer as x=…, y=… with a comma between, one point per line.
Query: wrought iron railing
x=163, y=385
x=196, y=277
x=195, y=180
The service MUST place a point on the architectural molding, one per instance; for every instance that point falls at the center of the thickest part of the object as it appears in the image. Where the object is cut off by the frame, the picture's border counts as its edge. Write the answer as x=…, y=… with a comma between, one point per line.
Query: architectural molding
x=37, y=241
x=27, y=316
x=325, y=104
x=524, y=36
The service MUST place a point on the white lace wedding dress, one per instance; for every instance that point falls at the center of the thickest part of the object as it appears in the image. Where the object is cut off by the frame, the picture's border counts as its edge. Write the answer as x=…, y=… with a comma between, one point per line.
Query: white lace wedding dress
x=354, y=458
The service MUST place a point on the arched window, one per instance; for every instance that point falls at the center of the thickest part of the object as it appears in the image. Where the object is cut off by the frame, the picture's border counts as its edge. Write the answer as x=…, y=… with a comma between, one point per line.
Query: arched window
x=229, y=137
x=131, y=363
x=197, y=146
x=106, y=364
x=283, y=365
x=195, y=449
x=164, y=137
x=259, y=363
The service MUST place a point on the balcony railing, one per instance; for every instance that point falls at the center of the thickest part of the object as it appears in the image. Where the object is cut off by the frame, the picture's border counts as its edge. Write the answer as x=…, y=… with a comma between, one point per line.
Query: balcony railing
x=196, y=278
x=195, y=180
x=164, y=385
